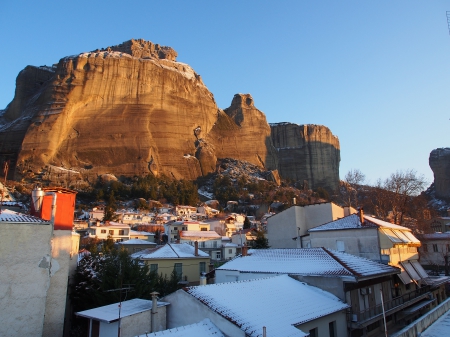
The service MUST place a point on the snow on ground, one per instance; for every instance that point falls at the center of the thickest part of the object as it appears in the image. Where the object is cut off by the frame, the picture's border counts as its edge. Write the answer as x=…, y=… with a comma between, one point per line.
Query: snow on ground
x=440, y=328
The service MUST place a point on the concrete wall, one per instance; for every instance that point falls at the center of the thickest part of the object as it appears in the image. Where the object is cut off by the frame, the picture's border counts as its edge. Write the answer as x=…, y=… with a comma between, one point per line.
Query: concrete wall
x=25, y=261
x=322, y=325
x=185, y=309
x=282, y=227
x=63, y=263
x=332, y=284
x=359, y=242
x=138, y=324
x=420, y=325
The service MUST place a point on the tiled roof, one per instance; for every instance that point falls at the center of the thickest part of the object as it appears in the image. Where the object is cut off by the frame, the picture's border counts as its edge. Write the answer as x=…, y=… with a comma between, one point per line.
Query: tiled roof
x=352, y=222
x=278, y=303
x=306, y=261
x=170, y=251
x=10, y=216
x=204, y=328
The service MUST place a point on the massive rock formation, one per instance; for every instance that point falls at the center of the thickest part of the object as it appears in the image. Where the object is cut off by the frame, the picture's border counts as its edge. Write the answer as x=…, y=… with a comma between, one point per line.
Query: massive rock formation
x=440, y=164
x=132, y=109
x=307, y=152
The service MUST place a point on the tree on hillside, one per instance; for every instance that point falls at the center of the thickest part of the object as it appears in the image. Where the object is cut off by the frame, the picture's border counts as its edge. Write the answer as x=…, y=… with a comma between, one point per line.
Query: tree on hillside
x=349, y=187
x=246, y=223
x=404, y=186
x=110, y=208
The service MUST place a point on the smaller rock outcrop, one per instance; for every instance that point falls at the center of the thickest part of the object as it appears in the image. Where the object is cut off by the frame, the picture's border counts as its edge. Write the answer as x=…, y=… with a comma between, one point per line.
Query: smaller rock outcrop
x=440, y=165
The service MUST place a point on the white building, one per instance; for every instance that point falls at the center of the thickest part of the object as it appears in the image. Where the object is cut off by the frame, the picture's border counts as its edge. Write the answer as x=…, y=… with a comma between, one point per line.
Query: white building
x=113, y=230
x=286, y=229
x=208, y=241
x=280, y=305
x=135, y=317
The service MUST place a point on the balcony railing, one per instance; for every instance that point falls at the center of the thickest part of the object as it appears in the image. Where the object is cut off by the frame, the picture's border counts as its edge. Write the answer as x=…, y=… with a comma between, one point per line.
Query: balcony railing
x=396, y=304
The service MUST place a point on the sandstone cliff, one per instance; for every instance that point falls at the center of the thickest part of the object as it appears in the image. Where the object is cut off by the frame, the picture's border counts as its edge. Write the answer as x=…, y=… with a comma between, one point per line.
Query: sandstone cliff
x=307, y=152
x=440, y=165
x=132, y=109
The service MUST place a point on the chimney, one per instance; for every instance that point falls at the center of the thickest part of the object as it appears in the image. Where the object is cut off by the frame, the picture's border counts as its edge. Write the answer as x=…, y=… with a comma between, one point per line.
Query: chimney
x=361, y=215
x=244, y=250
x=203, y=279
x=196, y=248
x=154, y=310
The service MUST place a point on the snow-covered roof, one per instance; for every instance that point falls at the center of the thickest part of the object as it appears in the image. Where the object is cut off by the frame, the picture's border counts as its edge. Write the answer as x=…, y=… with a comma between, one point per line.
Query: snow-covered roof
x=136, y=242
x=132, y=232
x=278, y=303
x=201, y=234
x=435, y=236
x=204, y=328
x=10, y=216
x=109, y=313
x=170, y=251
x=306, y=261
x=352, y=222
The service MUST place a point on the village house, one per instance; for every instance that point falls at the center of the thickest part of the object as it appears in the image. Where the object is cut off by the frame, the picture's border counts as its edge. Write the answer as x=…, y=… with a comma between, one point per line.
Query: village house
x=287, y=228
x=234, y=223
x=278, y=306
x=185, y=212
x=172, y=229
x=113, y=230
x=134, y=245
x=147, y=236
x=133, y=317
x=188, y=261
x=435, y=251
x=355, y=280
x=208, y=241
x=244, y=237
x=97, y=213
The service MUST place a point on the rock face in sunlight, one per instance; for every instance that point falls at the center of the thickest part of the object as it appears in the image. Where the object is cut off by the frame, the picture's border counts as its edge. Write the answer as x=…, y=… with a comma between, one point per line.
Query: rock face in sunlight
x=440, y=164
x=132, y=109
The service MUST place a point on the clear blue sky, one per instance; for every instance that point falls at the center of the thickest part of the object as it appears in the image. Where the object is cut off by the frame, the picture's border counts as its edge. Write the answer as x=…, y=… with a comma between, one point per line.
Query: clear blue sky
x=377, y=73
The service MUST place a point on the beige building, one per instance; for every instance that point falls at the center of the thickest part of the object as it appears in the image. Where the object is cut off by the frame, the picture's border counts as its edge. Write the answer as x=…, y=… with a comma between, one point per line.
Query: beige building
x=287, y=229
x=173, y=229
x=188, y=261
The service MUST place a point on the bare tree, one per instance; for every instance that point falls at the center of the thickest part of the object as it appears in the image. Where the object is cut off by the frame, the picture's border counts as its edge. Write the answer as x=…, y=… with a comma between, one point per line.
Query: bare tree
x=405, y=186
x=350, y=185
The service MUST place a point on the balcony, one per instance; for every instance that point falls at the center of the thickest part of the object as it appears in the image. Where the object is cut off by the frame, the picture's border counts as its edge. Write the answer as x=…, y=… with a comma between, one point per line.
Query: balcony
x=373, y=314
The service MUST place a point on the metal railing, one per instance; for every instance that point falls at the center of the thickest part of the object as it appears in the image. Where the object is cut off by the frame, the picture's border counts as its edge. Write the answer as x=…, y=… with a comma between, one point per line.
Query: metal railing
x=396, y=302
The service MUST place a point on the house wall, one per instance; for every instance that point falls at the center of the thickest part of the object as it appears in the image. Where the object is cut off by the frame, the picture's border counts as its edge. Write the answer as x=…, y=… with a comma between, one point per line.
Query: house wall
x=332, y=284
x=432, y=252
x=25, y=260
x=191, y=267
x=138, y=324
x=282, y=227
x=322, y=325
x=402, y=253
x=64, y=256
x=234, y=275
x=177, y=315
x=359, y=242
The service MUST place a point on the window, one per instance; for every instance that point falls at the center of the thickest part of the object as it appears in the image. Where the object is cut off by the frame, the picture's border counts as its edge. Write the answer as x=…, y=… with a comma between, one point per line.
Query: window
x=103, y=231
x=435, y=248
x=121, y=232
x=178, y=267
x=111, y=232
x=202, y=244
x=203, y=229
x=202, y=267
x=154, y=267
x=313, y=333
x=332, y=329
x=218, y=255
x=175, y=228
x=230, y=251
x=214, y=244
x=340, y=246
